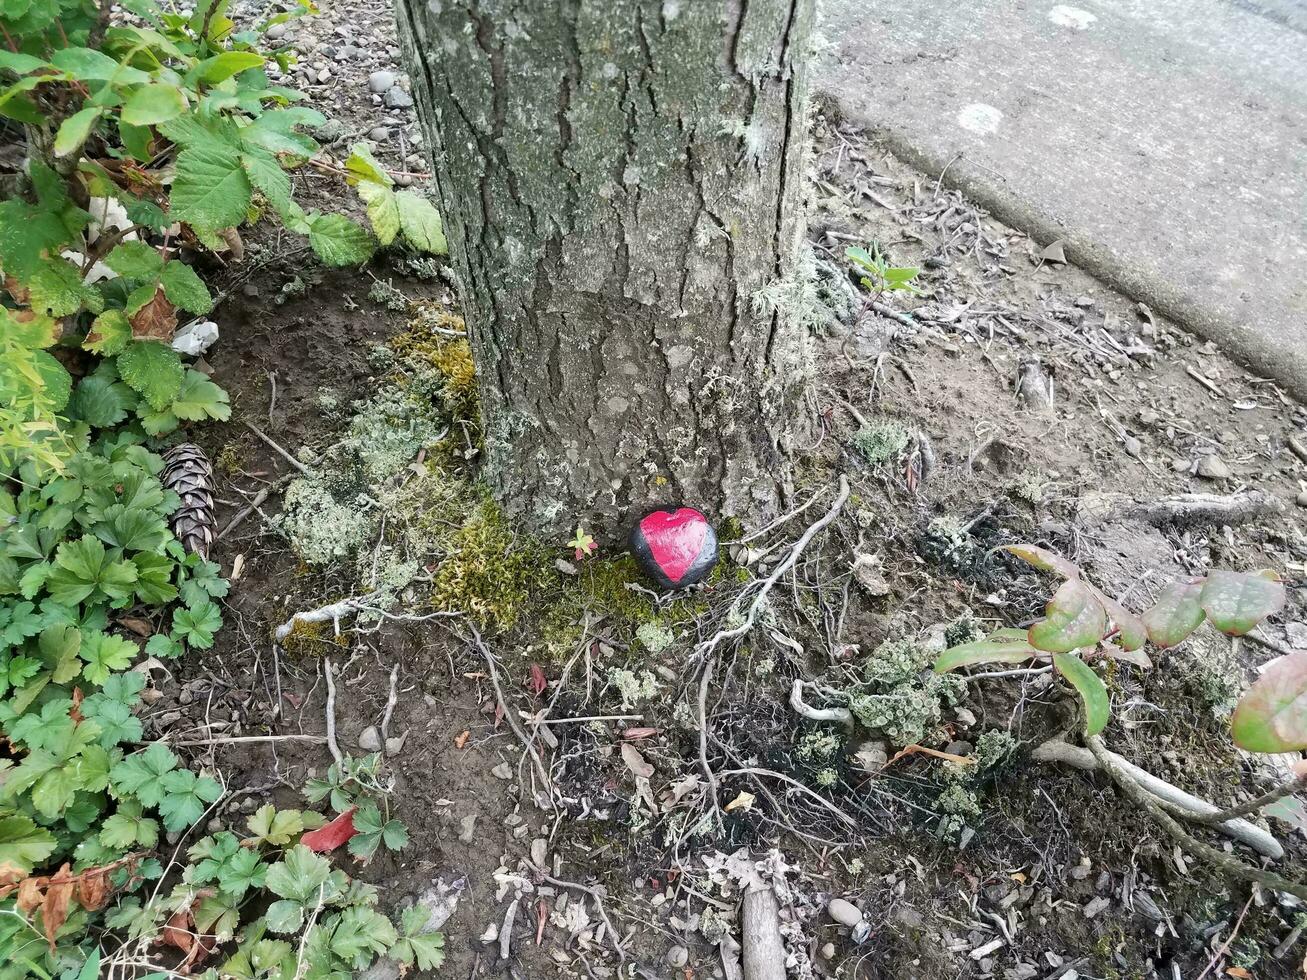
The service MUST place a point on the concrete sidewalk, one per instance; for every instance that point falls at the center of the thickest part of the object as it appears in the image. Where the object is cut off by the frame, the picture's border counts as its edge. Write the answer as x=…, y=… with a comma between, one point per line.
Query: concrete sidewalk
x=1164, y=140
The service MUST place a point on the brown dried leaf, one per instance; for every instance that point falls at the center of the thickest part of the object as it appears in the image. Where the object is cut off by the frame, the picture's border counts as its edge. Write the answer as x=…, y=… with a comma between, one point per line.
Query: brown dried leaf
x=635, y=761
x=156, y=320
x=58, y=899
x=31, y=893
x=138, y=626
x=94, y=890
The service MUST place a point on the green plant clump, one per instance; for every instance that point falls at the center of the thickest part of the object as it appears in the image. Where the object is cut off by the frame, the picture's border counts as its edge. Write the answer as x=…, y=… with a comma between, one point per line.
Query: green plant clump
x=900, y=697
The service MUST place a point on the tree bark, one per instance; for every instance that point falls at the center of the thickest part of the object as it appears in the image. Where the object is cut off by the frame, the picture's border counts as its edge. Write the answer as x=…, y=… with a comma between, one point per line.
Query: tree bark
x=620, y=181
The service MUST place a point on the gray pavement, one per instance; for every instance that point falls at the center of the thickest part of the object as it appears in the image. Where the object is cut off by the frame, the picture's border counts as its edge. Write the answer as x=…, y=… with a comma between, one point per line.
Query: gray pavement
x=1165, y=141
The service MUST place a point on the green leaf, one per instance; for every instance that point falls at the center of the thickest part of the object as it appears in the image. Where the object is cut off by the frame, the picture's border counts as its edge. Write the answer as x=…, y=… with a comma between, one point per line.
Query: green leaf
x=199, y=398
x=136, y=141
x=211, y=190
x=56, y=288
x=420, y=223
x=1074, y=618
x=1003, y=647
x=184, y=798
x=132, y=529
x=197, y=625
x=164, y=645
x=39, y=331
x=152, y=104
x=56, y=383
x=1131, y=633
x=360, y=935
x=362, y=168
x=417, y=945
x=218, y=915
x=205, y=581
x=1090, y=687
x=154, y=578
x=223, y=66
x=59, y=647
x=74, y=130
x=18, y=63
x=127, y=829
x=141, y=774
x=383, y=210
x=339, y=241
x=153, y=370
x=23, y=844
x=87, y=65
x=1272, y=715
x=116, y=721
x=268, y=825
x=24, y=621
x=110, y=333
x=184, y=288
x=100, y=402
x=104, y=654
x=1236, y=602
x=82, y=569
x=267, y=175
x=135, y=260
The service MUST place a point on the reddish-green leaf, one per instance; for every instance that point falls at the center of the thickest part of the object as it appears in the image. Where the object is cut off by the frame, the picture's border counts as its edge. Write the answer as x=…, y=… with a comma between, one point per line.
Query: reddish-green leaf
x=1272, y=716
x=1074, y=618
x=330, y=836
x=1043, y=559
x=1176, y=614
x=1006, y=646
x=1131, y=632
x=1237, y=601
x=1090, y=687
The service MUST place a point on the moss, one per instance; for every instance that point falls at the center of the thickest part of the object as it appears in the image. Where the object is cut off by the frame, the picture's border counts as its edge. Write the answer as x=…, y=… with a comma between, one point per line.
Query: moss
x=307, y=639
x=423, y=343
x=231, y=459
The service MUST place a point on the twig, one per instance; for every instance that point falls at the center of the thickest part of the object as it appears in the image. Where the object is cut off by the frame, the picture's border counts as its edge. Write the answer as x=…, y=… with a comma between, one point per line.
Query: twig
x=390, y=703
x=1298, y=448
x=1225, y=946
x=280, y=451
x=1206, y=382
x=893, y=314
x=1255, y=806
x=1182, y=509
x=1018, y=672
x=272, y=399
x=599, y=906
x=1217, y=858
x=1056, y=750
x=838, y=716
x=196, y=743
x=253, y=505
x=506, y=930
x=586, y=718
x=331, y=712
x=509, y=715
x=333, y=613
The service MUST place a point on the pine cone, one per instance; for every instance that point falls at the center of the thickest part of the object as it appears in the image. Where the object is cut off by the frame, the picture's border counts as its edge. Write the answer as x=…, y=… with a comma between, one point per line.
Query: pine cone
x=189, y=472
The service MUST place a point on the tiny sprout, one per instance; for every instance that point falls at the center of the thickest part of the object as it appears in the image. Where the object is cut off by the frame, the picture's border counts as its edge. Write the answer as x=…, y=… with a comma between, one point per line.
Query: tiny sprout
x=583, y=544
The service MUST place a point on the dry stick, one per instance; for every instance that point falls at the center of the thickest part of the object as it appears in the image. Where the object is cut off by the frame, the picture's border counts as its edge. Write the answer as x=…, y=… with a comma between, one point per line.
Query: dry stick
x=390, y=703
x=332, y=613
x=1217, y=858
x=1184, y=508
x=331, y=712
x=239, y=739
x=509, y=715
x=760, y=928
x=1056, y=750
x=599, y=906
x=1254, y=806
x=253, y=505
x=839, y=716
x=1225, y=946
x=280, y=451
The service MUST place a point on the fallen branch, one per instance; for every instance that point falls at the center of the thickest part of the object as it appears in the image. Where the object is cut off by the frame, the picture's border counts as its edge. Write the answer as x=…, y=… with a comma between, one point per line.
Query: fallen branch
x=332, y=613
x=1255, y=806
x=1259, y=840
x=837, y=716
x=1221, y=861
x=331, y=712
x=760, y=928
x=1181, y=509
x=278, y=449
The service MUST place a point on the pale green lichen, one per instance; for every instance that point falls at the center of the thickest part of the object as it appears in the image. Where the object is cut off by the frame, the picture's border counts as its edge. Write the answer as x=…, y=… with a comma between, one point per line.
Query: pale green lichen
x=634, y=689
x=817, y=746
x=654, y=637
x=321, y=528
x=385, y=294
x=880, y=442
x=901, y=697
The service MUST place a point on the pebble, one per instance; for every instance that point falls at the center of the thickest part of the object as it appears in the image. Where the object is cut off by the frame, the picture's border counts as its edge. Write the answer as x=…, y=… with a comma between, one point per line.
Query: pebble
x=468, y=825
x=845, y=913
x=379, y=134
x=381, y=81
x=276, y=32
x=1096, y=905
x=502, y=771
x=397, y=98
x=370, y=739
x=1213, y=468
x=965, y=717
x=828, y=951
x=395, y=744
x=1133, y=447
x=1180, y=465
x=539, y=852
x=1302, y=499
x=677, y=957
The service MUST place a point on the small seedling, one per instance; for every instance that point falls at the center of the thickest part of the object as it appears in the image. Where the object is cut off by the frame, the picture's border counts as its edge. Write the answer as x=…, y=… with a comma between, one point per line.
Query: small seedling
x=877, y=275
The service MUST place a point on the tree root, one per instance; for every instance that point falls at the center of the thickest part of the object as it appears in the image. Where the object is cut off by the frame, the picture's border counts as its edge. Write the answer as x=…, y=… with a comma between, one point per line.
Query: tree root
x=760, y=927
x=1181, y=509
x=1232, y=866
x=332, y=613
x=837, y=716
x=1157, y=789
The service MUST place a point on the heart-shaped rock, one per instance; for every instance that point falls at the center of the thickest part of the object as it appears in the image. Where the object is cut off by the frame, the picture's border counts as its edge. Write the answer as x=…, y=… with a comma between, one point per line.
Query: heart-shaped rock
x=675, y=548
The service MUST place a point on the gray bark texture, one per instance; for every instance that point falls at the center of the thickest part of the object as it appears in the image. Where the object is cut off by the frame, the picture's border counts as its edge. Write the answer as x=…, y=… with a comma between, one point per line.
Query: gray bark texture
x=621, y=187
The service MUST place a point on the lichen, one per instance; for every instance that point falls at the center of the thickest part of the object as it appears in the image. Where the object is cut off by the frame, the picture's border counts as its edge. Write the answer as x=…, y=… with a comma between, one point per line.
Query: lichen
x=901, y=697
x=879, y=442
x=321, y=528
x=634, y=689
x=654, y=637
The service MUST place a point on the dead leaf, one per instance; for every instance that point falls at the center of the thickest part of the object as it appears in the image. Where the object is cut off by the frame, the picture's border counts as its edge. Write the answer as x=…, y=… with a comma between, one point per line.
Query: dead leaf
x=156, y=320
x=10, y=875
x=330, y=836
x=742, y=802
x=17, y=290
x=138, y=626
x=538, y=680
x=234, y=244
x=635, y=761
x=93, y=890
x=960, y=760
x=31, y=893
x=1054, y=252
x=1238, y=971
x=180, y=933
x=58, y=897
x=75, y=712
x=638, y=733
x=461, y=740
x=679, y=789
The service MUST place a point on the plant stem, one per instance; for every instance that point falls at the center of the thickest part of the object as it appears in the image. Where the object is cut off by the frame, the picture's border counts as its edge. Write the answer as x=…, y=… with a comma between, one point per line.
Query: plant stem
x=1254, y=806
x=1221, y=861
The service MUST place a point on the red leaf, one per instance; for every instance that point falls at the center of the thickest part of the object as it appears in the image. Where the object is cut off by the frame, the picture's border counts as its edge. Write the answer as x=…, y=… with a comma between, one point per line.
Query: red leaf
x=330, y=836
x=538, y=681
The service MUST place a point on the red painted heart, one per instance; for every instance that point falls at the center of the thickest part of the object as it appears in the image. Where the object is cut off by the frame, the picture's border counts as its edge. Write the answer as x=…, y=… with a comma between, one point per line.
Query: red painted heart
x=675, y=540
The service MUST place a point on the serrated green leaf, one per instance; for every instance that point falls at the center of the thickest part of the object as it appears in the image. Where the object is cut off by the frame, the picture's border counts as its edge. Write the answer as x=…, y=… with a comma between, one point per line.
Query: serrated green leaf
x=104, y=654
x=56, y=289
x=211, y=190
x=154, y=578
x=184, y=798
x=101, y=402
x=278, y=828
x=223, y=66
x=338, y=241
x=110, y=333
x=135, y=260
x=383, y=210
x=184, y=288
x=127, y=829
x=152, y=104
x=59, y=647
x=1073, y=618
x=56, y=383
x=1236, y=602
x=420, y=222
x=132, y=528
x=153, y=370
x=116, y=721
x=34, y=333
x=82, y=569
x=17, y=62
x=23, y=844
x=197, y=625
x=273, y=183
x=1090, y=687
x=164, y=645
x=205, y=581
x=199, y=398
x=141, y=774
x=362, y=168
x=87, y=65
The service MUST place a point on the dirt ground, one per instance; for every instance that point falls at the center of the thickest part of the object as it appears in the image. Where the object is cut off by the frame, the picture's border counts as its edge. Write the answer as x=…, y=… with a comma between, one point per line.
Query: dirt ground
x=1055, y=877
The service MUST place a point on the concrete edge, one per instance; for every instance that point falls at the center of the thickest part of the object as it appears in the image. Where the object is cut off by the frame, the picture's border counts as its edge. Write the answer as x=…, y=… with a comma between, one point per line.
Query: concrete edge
x=1287, y=367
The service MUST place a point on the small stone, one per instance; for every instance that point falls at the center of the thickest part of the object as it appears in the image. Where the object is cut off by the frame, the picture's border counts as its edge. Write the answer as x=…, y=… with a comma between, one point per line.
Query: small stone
x=872, y=756
x=1082, y=870
x=959, y=747
x=1133, y=447
x=330, y=131
x=843, y=912
x=276, y=32
x=379, y=134
x=370, y=739
x=677, y=957
x=908, y=918
x=965, y=717
x=382, y=81
x=395, y=744
x=539, y=852
x=1213, y=468
x=397, y=98
x=468, y=825
x=1095, y=906
x=502, y=771
x=1084, y=302
x=1302, y=499
x=675, y=548
x=1180, y=465
x=828, y=951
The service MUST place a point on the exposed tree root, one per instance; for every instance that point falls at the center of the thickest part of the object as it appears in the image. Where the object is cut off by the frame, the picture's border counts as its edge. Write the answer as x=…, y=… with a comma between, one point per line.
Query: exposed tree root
x=1259, y=840
x=332, y=613
x=1181, y=509
x=837, y=716
x=760, y=926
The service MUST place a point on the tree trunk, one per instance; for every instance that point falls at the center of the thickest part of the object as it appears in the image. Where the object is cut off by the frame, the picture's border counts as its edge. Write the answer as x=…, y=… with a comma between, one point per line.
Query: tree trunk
x=620, y=182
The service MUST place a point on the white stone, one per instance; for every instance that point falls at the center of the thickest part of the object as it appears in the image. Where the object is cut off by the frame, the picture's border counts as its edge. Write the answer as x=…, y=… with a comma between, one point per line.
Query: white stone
x=195, y=338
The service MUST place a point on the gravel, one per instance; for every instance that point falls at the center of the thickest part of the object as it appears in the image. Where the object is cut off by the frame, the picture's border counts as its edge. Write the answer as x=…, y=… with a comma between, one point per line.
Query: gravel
x=382, y=81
